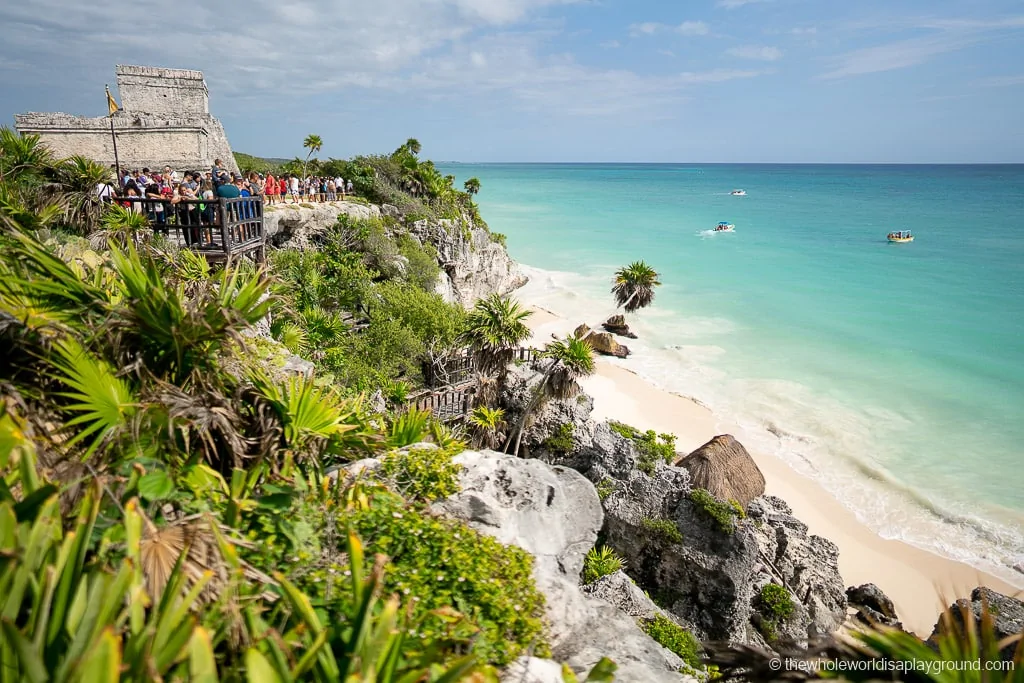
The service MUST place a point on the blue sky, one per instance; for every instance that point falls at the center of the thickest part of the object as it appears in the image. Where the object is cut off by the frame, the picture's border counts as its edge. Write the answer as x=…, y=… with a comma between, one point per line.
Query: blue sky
x=557, y=80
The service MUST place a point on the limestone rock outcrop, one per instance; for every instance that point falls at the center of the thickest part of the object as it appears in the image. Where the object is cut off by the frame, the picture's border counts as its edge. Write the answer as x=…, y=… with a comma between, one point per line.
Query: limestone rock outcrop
x=1007, y=616
x=297, y=225
x=617, y=325
x=873, y=606
x=473, y=265
x=554, y=514
x=603, y=342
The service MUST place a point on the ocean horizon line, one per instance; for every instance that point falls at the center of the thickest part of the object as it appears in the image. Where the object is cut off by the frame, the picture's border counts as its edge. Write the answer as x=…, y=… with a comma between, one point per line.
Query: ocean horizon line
x=803, y=164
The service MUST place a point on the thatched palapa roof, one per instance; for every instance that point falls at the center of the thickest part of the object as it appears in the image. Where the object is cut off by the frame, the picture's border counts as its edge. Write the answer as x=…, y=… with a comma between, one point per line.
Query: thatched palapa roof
x=725, y=469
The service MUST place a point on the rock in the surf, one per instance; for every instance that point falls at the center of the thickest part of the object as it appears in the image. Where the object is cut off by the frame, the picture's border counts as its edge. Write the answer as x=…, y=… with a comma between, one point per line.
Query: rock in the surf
x=617, y=325
x=603, y=342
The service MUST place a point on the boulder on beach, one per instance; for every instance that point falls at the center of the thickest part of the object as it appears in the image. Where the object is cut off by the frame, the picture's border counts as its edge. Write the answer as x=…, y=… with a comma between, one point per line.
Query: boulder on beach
x=873, y=606
x=617, y=325
x=603, y=342
x=723, y=467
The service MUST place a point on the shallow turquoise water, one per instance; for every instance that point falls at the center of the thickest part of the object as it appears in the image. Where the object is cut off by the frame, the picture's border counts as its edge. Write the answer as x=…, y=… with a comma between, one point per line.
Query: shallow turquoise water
x=892, y=373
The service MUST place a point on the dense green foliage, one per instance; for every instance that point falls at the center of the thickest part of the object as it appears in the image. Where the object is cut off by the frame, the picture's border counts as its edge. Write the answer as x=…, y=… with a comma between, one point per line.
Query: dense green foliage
x=601, y=562
x=651, y=447
x=674, y=637
x=664, y=530
x=725, y=515
x=384, y=276
x=422, y=473
x=561, y=441
x=776, y=606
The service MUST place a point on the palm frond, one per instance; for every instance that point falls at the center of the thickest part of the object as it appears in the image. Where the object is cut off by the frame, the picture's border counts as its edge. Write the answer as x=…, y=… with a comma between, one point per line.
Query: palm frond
x=573, y=358
x=634, y=286
x=494, y=330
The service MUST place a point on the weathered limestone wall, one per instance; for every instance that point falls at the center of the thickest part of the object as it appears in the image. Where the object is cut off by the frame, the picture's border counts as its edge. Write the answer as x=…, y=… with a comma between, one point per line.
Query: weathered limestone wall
x=164, y=121
x=162, y=91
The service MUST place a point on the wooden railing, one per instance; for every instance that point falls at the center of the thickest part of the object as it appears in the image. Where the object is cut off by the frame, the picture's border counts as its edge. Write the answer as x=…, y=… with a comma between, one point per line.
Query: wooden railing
x=446, y=406
x=460, y=367
x=218, y=228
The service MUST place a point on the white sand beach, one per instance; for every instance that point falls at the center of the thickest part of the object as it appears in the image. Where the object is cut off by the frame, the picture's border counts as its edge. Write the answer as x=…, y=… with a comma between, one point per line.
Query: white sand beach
x=919, y=583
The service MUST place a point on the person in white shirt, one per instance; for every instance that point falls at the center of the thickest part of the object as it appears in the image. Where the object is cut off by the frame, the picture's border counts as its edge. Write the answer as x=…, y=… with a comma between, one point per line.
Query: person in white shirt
x=339, y=186
x=295, y=188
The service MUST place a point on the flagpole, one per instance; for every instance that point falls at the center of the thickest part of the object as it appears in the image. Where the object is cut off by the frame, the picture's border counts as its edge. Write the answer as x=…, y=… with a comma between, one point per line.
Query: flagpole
x=113, y=138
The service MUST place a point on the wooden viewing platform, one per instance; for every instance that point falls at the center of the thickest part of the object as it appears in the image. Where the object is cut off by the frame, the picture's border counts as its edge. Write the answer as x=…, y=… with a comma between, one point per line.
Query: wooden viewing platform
x=453, y=377
x=220, y=229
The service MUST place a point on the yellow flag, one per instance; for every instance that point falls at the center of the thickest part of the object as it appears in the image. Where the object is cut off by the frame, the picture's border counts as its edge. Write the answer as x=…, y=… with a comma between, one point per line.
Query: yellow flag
x=111, y=104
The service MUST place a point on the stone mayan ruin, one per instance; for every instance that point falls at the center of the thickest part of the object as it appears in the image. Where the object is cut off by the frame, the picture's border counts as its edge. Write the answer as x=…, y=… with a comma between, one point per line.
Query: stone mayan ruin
x=164, y=120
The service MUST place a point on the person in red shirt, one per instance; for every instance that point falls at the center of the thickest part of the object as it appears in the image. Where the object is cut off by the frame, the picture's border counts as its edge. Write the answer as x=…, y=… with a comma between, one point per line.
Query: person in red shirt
x=283, y=187
x=270, y=188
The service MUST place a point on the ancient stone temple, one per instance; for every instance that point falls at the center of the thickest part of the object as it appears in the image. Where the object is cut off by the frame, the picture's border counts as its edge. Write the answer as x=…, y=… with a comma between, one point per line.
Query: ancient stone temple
x=164, y=121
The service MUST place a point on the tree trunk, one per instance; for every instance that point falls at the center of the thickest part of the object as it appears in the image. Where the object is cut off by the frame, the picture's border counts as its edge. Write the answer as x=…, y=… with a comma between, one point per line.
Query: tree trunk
x=534, y=400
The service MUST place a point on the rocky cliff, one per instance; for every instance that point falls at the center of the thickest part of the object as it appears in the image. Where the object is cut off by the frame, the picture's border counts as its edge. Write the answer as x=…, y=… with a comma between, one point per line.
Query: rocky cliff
x=473, y=264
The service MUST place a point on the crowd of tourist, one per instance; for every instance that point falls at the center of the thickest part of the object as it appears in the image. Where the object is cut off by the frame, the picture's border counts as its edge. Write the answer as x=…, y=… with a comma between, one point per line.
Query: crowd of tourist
x=175, y=186
x=189, y=198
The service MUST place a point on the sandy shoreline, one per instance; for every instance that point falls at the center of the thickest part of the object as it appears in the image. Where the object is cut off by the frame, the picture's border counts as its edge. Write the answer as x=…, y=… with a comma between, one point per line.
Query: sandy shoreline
x=919, y=583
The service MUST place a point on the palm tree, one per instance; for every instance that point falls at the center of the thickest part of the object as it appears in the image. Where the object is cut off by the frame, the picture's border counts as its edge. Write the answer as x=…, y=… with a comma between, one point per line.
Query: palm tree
x=313, y=143
x=413, y=146
x=472, y=186
x=487, y=426
x=76, y=180
x=571, y=359
x=634, y=286
x=494, y=330
x=22, y=157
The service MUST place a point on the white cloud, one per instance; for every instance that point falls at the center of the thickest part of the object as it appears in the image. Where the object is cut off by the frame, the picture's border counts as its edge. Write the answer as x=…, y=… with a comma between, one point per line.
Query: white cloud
x=733, y=4
x=667, y=53
x=611, y=44
x=948, y=35
x=693, y=28
x=687, y=28
x=765, y=54
x=296, y=59
x=646, y=28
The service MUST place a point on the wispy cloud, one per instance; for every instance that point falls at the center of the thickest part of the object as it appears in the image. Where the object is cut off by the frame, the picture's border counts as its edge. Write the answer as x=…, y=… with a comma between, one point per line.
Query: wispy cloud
x=693, y=28
x=666, y=53
x=765, y=54
x=733, y=4
x=611, y=44
x=687, y=28
x=948, y=35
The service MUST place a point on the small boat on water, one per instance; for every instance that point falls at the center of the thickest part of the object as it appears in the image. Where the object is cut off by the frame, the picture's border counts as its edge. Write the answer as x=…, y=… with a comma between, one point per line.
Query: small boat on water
x=725, y=227
x=900, y=237
x=739, y=193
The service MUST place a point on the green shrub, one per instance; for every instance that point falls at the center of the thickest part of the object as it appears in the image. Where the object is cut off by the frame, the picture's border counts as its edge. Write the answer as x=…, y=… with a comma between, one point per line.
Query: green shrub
x=422, y=269
x=662, y=529
x=651, y=446
x=740, y=512
x=422, y=474
x=723, y=514
x=776, y=607
x=674, y=637
x=439, y=562
x=601, y=562
x=562, y=441
x=499, y=238
x=605, y=488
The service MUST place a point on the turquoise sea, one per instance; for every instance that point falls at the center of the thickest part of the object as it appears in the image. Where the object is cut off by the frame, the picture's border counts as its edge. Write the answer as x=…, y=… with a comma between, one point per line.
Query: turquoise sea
x=891, y=373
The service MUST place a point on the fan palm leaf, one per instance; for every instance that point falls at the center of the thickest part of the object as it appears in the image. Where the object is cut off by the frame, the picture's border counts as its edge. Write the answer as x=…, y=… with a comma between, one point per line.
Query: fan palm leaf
x=487, y=426
x=634, y=286
x=102, y=403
